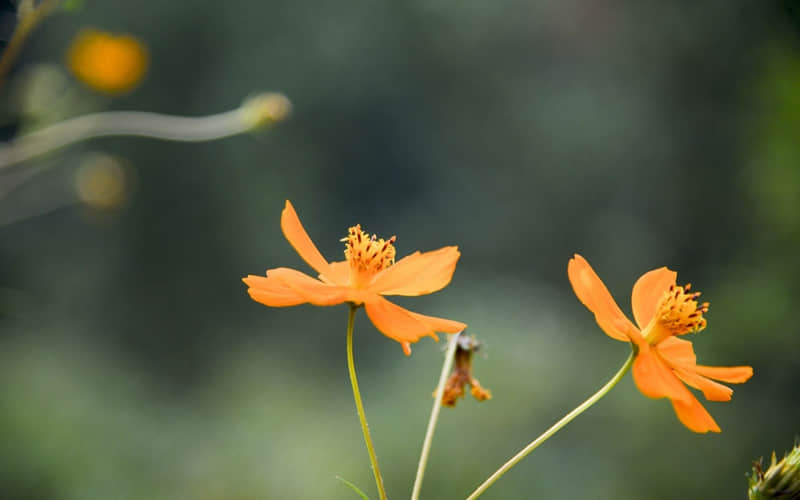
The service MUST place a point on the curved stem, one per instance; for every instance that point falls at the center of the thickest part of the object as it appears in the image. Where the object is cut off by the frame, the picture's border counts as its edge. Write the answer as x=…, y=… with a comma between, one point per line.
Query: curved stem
x=359, y=405
x=555, y=428
x=437, y=406
x=253, y=113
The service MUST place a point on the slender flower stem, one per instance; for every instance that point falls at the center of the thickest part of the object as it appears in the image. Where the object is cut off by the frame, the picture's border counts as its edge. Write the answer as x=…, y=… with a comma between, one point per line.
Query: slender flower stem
x=555, y=428
x=360, y=406
x=27, y=22
x=253, y=113
x=437, y=405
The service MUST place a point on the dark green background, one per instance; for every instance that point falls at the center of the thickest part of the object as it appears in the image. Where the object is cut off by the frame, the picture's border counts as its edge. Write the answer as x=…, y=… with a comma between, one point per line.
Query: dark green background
x=637, y=133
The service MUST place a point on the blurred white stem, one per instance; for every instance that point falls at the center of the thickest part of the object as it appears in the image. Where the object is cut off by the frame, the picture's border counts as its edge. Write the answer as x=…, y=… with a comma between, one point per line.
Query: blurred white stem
x=257, y=111
x=437, y=406
x=111, y=123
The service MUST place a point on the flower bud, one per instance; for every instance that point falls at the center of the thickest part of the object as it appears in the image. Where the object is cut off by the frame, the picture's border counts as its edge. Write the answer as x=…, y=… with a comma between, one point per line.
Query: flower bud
x=265, y=109
x=462, y=374
x=781, y=480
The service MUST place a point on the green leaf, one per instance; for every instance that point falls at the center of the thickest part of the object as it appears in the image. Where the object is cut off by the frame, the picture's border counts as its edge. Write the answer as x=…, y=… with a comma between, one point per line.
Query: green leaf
x=353, y=487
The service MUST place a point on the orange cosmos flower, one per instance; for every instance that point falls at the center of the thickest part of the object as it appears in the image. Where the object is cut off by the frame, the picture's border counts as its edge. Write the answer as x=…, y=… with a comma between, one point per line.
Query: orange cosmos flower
x=368, y=272
x=106, y=62
x=662, y=310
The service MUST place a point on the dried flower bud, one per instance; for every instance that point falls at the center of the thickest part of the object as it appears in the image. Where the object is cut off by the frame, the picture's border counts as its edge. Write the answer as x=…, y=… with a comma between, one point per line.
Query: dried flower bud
x=462, y=374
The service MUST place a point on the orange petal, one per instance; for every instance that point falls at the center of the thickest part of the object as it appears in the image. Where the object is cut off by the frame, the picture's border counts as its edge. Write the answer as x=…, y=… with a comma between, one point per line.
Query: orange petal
x=711, y=390
x=655, y=380
x=677, y=351
x=396, y=322
x=594, y=295
x=440, y=324
x=730, y=374
x=418, y=273
x=298, y=238
x=312, y=290
x=647, y=292
x=272, y=292
x=693, y=415
x=338, y=273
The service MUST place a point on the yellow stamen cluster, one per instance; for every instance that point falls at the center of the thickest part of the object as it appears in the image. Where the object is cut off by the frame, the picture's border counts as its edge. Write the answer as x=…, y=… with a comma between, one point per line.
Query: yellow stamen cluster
x=367, y=255
x=678, y=313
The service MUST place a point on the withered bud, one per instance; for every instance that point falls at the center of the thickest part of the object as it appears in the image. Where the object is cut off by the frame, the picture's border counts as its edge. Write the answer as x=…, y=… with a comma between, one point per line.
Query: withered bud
x=462, y=374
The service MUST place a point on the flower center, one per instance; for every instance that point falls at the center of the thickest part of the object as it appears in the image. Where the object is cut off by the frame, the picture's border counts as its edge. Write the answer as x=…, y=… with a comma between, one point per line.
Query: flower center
x=367, y=255
x=678, y=313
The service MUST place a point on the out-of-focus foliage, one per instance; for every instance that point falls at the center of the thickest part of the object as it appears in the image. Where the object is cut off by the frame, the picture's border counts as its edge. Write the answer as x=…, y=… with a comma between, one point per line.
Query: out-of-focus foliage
x=638, y=133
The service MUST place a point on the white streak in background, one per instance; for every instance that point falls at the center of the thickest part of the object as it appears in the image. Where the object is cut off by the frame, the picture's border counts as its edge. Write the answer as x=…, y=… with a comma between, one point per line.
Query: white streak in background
x=255, y=112
x=101, y=182
x=19, y=200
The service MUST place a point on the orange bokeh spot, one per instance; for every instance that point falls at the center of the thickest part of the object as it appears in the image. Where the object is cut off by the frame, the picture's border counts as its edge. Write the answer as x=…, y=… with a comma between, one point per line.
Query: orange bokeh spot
x=112, y=64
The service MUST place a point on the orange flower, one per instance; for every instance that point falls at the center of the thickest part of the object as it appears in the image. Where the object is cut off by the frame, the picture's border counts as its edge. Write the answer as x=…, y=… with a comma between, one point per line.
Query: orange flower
x=662, y=310
x=108, y=63
x=367, y=274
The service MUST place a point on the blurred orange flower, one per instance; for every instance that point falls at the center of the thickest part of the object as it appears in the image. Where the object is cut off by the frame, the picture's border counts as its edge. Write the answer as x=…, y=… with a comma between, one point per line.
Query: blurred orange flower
x=106, y=62
x=367, y=274
x=662, y=310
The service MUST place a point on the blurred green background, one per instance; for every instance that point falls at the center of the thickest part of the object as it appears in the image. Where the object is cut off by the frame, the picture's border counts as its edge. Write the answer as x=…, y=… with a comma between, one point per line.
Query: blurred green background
x=637, y=133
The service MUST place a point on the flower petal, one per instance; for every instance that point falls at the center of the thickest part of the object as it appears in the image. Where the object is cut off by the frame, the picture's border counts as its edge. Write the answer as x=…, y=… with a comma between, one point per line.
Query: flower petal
x=338, y=273
x=647, y=292
x=272, y=292
x=677, y=351
x=693, y=415
x=711, y=390
x=312, y=290
x=440, y=324
x=655, y=380
x=398, y=323
x=418, y=273
x=594, y=295
x=730, y=374
x=299, y=239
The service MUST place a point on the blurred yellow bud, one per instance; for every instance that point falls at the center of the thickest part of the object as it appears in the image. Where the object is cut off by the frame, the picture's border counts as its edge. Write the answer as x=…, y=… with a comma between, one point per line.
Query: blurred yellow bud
x=101, y=182
x=39, y=88
x=265, y=109
x=113, y=64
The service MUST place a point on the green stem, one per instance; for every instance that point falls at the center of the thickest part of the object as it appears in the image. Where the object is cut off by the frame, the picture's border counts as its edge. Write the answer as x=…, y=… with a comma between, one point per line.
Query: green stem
x=437, y=406
x=555, y=428
x=360, y=406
